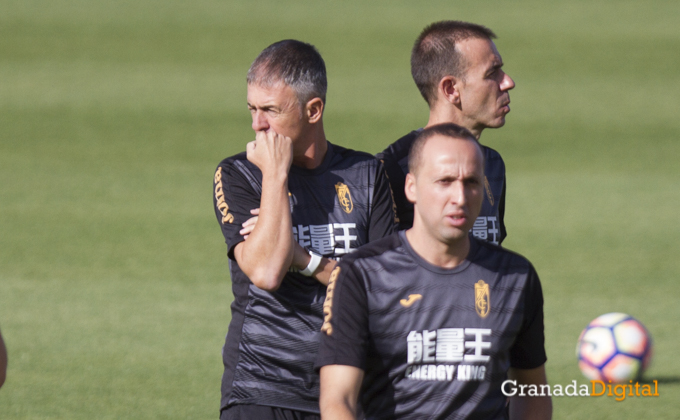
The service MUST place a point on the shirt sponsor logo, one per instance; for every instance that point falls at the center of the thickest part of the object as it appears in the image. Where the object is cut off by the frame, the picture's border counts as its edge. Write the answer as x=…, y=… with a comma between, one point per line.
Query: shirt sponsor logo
x=222, y=205
x=406, y=303
x=487, y=188
x=344, y=197
x=486, y=229
x=328, y=303
x=327, y=239
x=434, y=355
x=482, y=298
x=463, y=373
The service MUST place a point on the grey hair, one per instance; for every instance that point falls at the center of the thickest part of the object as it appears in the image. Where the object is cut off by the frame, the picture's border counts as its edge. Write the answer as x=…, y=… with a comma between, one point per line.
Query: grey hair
x=296, y=64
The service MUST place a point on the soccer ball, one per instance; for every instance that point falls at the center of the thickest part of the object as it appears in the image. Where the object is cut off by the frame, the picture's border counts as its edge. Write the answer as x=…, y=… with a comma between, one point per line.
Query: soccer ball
x=614, y=347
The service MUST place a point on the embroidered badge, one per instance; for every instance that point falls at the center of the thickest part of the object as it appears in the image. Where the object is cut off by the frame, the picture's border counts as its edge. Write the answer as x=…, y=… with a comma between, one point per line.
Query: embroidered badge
x=344, y=197
x=482, y=304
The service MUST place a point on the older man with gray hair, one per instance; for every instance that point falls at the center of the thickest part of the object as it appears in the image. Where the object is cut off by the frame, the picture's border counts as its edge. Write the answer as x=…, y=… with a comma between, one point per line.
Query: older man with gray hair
x=314, y=202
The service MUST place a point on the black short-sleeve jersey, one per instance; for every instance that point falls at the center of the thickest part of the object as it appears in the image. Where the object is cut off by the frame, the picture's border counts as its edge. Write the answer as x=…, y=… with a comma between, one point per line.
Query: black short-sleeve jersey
x=489, y=225
x=434, y=343
x=273, y=336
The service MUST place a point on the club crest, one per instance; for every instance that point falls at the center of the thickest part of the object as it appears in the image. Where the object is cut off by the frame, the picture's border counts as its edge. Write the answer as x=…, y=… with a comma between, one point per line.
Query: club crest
x=487, y=188
x=482, y=299
x=344, y=197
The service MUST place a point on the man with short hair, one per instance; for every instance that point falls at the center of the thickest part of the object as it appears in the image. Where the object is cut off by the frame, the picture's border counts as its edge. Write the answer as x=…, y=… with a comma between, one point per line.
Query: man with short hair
x=429, y=322
x=316, y=202
x=458, y=71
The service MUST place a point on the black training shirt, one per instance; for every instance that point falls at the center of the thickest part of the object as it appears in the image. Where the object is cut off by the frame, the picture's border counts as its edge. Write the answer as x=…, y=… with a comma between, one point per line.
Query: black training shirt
x=432, y=341
x=273, y=336
x=489, y=226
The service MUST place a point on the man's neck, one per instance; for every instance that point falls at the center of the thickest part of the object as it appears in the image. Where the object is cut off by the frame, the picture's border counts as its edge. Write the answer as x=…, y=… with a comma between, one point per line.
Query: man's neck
x=443, y=114
x=311, y=153
x=440, y=254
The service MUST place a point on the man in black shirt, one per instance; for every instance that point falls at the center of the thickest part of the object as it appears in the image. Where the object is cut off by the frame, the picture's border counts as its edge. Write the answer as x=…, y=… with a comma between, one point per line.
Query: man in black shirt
x=317, y=202
x=429, y=322
x=458, y=71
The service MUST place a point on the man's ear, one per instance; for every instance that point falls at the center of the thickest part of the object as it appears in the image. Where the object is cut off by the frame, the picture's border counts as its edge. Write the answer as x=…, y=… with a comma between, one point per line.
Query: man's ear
x=410, y=187
x=449, y=89
x=314, y=110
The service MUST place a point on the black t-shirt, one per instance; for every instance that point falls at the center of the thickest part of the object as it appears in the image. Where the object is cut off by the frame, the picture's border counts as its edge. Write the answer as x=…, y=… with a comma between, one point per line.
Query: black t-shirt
x=489, y=225
x=273, y=336
x=432, y=341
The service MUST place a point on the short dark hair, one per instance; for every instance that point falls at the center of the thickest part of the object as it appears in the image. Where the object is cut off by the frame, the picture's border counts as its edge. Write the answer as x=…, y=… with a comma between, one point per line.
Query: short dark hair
x=295, y=63
x=447, y=129
x=434, y=54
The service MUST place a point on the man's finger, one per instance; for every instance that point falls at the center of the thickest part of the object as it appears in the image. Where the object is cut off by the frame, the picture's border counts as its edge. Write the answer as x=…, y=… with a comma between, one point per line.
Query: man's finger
x=250, y=146
x=251, y=221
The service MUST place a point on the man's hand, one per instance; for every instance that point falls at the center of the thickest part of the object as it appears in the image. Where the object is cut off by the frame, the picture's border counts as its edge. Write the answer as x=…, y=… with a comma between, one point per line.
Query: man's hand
x=271, y=152
x=249, y=225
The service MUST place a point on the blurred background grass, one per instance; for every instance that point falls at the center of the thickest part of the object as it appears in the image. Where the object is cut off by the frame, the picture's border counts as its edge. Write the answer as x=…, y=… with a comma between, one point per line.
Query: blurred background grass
x=114, y=292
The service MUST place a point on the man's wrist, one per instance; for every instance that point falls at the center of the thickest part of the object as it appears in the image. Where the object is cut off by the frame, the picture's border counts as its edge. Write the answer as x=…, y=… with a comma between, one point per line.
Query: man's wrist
x=314, y=262
x=275, y=176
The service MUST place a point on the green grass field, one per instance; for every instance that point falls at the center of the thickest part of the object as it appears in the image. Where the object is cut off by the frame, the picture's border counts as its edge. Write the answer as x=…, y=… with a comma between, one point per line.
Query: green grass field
x=114, y=293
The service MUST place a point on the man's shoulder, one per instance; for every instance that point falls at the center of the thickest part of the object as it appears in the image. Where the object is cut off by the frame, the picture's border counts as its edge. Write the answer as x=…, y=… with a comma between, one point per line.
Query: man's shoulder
x=231, y=160
x=491, y=154
x=344, y=156
x=240, y=163
x=399, y=149
x=497, y=258
x=236, y=170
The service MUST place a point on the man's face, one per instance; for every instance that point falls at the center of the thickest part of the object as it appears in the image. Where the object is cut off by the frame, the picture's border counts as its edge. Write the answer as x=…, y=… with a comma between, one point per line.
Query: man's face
x=277, y=109
x=484, y=91
x=447, y=188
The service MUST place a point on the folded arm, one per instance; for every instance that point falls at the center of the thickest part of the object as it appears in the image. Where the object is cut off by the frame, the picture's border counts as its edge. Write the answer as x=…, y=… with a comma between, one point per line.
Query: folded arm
x=301, y=257
x=268, y=253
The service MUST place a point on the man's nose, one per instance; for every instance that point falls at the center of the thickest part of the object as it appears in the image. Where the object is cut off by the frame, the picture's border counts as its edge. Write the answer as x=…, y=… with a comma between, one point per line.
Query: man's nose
x=458, y=193
x=507, y=83
x=260, y=122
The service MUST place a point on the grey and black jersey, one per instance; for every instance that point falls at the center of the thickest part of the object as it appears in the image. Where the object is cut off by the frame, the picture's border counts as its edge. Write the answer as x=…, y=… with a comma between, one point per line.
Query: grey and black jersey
x=434, y=343
x=273, y=336
x=489, y=226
